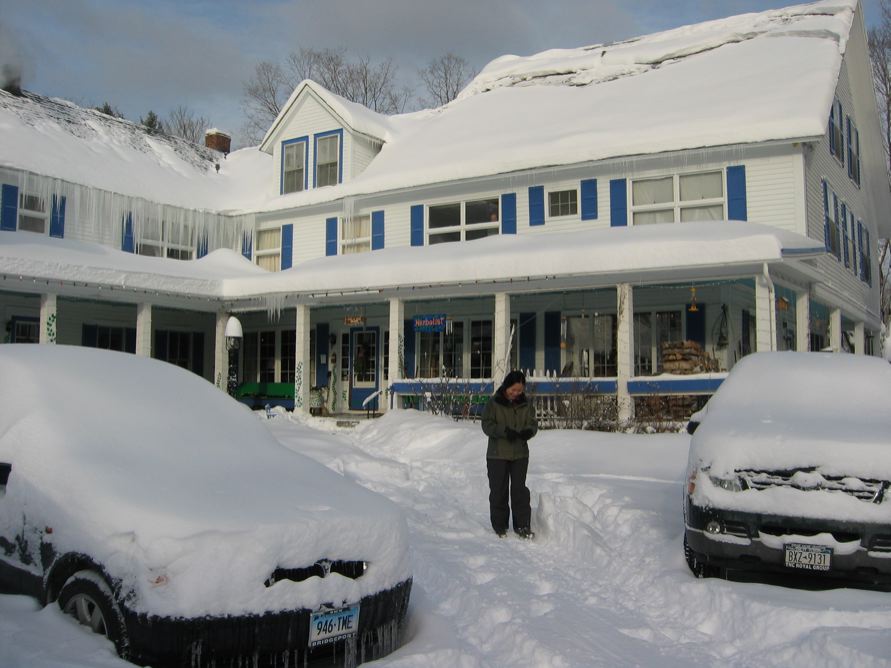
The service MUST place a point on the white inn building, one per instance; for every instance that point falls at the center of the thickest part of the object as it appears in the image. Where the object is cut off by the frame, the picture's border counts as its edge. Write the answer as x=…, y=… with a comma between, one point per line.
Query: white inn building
x=707, y=192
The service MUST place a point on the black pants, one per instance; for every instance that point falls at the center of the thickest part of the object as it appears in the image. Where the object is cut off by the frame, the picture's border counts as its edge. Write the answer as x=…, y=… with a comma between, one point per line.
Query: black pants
x=507, y=478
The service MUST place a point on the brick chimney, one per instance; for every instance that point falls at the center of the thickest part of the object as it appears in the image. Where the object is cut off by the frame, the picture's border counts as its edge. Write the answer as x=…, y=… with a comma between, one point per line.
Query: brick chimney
x=217, y=140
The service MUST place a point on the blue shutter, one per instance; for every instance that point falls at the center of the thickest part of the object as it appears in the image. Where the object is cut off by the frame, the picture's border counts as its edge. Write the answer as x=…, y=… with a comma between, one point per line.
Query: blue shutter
x=867, y=251
x=841, y=134
x=844, y=228
x=322, y=354
x=509, y=213
x=834, y=230
x=536, y=205
x=850, y=161
x=331, y=236
x=736, y=193
x=527, y=341
x=854, y=262
x=201, y=249
x=832, y=128
x=9, y=207
x=57, y=218
x=127, y=244
x=417, y=225
x=618, y=203
x=589, y=199
x=377, y=230
x=552, y=341
x=826, y=240
x=860, y=250
x=287, y=246
x=408, y=330
x=247, y=245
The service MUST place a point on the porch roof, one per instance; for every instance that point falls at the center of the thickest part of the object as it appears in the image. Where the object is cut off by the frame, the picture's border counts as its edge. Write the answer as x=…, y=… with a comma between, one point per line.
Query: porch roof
x=513, y=263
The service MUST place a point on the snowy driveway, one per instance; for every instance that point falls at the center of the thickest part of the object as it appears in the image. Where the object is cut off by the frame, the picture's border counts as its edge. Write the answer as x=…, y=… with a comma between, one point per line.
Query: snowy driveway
x=603, y=584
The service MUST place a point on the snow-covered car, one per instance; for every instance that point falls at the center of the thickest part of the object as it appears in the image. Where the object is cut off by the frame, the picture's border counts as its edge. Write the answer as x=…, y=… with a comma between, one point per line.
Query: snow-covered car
x=160, y=512
x=790, y=468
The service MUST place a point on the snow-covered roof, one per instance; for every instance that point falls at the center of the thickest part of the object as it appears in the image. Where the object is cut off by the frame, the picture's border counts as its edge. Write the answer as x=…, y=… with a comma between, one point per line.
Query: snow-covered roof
x=55, y=138
x=355, y=116
x=758, y=77
x=610, y=254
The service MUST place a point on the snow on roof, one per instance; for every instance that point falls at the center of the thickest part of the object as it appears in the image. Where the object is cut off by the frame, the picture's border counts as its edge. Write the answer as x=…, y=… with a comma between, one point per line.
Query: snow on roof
x=56, y=138
x=607, y=252
x=354, y=115
x=749, y=78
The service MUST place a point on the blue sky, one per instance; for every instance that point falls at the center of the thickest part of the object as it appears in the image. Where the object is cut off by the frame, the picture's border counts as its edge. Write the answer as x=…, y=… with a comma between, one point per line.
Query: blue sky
x=157, y=54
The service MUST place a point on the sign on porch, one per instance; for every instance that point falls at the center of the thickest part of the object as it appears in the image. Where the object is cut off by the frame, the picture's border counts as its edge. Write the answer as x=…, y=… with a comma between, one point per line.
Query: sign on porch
x=432, y=322
x=354, y=320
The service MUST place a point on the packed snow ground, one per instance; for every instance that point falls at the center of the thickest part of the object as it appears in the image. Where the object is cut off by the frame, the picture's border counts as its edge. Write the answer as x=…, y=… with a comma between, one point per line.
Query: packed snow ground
x=603, y=584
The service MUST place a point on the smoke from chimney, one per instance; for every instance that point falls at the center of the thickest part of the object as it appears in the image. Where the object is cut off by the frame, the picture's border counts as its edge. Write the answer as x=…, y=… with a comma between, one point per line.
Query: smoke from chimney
x=11, y=79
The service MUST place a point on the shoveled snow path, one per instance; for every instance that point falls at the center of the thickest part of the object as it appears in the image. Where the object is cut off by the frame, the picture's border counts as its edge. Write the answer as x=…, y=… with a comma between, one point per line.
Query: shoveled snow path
x=603, y=584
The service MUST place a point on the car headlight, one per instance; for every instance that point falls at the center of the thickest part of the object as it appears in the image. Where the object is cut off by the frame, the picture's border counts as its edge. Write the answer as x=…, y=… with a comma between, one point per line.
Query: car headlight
x=731, y=484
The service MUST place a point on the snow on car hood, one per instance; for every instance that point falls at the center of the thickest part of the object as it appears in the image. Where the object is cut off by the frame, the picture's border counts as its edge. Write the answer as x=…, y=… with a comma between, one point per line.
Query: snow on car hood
x=790, y=412
x=177, y=489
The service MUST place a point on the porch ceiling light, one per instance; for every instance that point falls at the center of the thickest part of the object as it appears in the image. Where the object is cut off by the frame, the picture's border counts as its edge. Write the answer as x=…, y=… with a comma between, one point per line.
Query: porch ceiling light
x=234, y=333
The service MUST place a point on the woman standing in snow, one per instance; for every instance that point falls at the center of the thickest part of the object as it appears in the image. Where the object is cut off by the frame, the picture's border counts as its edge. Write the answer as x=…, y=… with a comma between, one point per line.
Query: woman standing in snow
x=509, y=422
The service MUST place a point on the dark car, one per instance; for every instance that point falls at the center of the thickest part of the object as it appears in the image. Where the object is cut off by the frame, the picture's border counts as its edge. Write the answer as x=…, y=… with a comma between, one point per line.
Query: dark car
x=161, y=513
x=790, y=468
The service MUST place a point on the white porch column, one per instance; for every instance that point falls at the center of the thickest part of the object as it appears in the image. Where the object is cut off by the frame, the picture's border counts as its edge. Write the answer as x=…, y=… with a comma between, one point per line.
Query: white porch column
x=301, y=370
x=144, y=330
x=624, y=350
x=501, y=338
x=397, y=347
x=835, y=330
x=859, y=338
x=802, y=320
x=48, y=313
x=765, y=314
x=220, y=354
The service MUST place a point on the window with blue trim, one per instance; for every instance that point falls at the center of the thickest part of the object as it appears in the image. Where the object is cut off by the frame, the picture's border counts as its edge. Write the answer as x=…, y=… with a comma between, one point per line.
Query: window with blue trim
x=294, y=157
x=162, y=238
x=327, y=158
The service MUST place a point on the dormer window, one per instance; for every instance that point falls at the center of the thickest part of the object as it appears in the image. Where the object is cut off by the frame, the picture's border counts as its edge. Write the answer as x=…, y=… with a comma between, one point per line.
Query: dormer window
x=294, y=165
x=33, y=215
x=328, y=158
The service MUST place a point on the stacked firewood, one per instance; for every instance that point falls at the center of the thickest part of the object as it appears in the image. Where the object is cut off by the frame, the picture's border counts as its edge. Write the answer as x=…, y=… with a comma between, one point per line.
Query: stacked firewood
x=686, y=357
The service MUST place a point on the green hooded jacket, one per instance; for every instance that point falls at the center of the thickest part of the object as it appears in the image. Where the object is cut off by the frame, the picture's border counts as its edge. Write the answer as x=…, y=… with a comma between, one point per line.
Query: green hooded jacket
x=501, y=414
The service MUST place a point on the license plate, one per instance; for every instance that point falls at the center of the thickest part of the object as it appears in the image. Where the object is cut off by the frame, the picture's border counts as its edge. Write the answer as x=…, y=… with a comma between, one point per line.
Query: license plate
x=333, y=625
x=808, y=557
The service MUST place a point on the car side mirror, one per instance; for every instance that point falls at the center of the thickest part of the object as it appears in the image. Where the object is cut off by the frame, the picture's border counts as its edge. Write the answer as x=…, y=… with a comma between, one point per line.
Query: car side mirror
x=5, y=470
x=692, y=425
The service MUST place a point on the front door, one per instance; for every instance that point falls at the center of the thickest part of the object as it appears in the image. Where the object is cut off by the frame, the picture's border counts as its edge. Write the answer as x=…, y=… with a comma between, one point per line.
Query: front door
x=364, y=371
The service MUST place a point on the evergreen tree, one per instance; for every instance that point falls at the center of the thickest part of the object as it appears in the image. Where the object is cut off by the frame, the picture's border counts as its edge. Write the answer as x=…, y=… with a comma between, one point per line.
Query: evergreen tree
x=152, y=123
x=108, y=110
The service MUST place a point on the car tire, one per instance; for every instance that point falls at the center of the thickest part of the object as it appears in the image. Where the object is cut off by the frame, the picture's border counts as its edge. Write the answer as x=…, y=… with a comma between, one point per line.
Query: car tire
x=87, y=597
x=700, y=569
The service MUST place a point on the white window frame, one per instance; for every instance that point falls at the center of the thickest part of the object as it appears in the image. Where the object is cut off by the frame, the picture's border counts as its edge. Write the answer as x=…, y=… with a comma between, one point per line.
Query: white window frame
x=558, y=191
x=337, y=155
x=837, y=136
x=270, y=256
x=462, y=228
x=353, y=238
x=31, y=213
x=163, y=246
x=853, y=151
x=676, y=205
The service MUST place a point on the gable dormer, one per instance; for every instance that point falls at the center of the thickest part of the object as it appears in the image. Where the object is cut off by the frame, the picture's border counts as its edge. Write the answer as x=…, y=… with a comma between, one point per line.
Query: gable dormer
x=320, y=139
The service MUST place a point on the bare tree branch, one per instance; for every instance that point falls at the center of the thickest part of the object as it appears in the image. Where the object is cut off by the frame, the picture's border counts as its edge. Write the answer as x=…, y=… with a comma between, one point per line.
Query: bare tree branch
x=183, y=123
x=444, y=78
